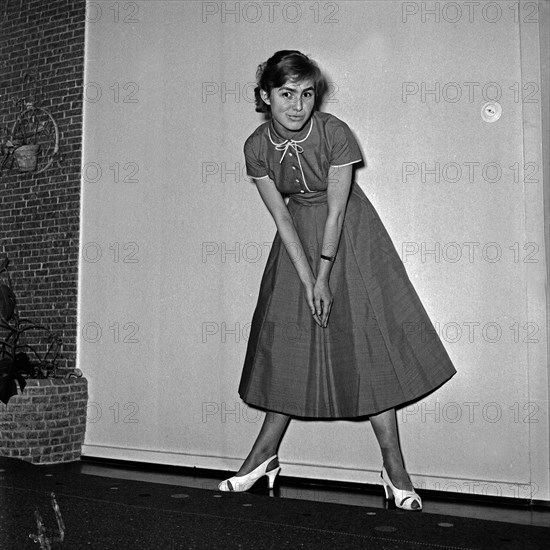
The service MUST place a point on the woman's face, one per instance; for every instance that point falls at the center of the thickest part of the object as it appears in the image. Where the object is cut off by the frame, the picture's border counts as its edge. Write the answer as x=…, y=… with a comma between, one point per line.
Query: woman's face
x=291, y=106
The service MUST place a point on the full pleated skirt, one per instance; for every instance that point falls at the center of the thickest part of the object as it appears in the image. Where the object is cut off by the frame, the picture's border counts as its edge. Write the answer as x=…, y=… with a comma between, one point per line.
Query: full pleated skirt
x=379, y=350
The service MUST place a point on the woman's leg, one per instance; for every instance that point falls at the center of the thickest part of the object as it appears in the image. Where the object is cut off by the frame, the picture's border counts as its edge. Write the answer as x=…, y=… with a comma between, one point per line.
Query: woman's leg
x=266, y=443
x=385, y=429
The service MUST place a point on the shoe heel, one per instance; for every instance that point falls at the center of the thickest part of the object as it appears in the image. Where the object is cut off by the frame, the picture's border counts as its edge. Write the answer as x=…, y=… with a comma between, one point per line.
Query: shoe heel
x=387, y=490
x=271, y=476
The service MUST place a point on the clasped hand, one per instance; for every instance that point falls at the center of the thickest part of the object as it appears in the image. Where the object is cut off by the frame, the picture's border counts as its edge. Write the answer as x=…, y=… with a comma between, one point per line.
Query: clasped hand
x=319, y=299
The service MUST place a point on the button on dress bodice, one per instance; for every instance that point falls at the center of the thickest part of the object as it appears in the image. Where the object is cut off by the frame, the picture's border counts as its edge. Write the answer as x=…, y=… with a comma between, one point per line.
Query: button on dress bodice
x=288, y=146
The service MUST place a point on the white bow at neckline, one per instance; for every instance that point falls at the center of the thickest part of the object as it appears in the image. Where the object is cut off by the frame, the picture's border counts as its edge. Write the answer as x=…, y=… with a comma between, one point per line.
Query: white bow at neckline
x=285, y=145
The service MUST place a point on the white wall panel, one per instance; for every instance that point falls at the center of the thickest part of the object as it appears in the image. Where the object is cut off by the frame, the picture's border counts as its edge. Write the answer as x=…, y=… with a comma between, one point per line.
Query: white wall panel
x=164, y=320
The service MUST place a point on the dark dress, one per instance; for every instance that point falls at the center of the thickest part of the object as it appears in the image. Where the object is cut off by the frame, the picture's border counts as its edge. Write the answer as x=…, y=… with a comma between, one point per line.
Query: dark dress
x=379, y=349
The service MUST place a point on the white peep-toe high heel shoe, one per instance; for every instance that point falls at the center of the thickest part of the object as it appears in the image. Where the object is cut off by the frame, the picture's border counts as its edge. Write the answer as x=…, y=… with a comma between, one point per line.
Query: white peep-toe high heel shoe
x=243, y=483
x=403, y=499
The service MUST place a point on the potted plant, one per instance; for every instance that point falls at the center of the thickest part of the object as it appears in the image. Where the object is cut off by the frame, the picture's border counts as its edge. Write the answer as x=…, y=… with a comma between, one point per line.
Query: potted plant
x=24, y=143
x=25, y=139
x=45, y=423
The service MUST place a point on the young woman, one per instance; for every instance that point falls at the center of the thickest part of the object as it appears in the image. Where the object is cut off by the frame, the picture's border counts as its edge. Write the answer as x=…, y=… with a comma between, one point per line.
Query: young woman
x=338, y=331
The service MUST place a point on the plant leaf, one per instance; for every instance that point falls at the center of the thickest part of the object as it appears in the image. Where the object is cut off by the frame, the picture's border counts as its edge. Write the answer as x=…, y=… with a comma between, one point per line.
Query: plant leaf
x=7, y=381
x=7, y=302
x=9, y=373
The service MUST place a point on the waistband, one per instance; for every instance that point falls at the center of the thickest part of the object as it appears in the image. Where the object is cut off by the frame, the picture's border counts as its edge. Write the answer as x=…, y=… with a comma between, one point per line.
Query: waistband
x=319, y=197
x=309, y=199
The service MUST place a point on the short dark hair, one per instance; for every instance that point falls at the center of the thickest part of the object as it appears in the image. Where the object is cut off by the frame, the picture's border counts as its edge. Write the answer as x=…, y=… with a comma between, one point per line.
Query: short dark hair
x=283, y=66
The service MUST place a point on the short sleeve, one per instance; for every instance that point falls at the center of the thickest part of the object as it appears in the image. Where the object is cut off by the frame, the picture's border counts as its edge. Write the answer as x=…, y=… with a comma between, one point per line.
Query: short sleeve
x=344, y=148
x=255, y=166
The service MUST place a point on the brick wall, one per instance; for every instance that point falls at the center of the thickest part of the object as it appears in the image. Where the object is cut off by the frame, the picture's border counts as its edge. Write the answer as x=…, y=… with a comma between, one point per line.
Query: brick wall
x=39, y=213
x=47, y=423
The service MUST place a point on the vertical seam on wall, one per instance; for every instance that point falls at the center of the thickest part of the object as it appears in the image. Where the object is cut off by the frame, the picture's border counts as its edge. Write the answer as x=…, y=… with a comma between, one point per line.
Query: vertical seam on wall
x=524, y=270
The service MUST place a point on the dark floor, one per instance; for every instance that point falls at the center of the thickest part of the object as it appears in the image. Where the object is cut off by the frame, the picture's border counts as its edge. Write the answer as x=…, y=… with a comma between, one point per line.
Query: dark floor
x=461, y=505
x=115, y=505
